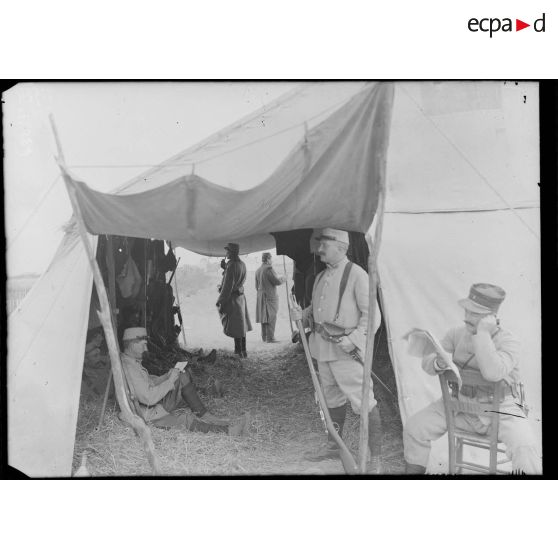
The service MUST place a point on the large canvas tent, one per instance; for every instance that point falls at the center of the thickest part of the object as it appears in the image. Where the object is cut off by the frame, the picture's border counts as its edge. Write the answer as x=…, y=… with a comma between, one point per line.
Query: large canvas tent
x=461, y=207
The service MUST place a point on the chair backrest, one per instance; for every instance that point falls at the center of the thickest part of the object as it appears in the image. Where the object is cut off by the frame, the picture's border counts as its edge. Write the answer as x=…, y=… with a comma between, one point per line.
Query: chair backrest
x=454, y=405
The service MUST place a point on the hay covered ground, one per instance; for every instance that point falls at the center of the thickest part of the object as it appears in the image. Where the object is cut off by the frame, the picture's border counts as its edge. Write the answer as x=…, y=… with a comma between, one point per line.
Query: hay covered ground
x=273, y=385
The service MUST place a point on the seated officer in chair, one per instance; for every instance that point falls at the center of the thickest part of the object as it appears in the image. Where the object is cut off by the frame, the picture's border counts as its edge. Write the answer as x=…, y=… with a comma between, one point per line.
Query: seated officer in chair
x=159, y=396
x=481, y=345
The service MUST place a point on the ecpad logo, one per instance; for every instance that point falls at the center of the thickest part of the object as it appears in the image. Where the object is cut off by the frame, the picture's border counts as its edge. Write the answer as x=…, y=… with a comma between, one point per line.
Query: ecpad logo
x=492, y=25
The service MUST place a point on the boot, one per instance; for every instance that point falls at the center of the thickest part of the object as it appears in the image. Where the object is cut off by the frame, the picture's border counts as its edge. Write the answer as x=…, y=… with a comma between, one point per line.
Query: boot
x=198, y=425
x=190, y=395
x=243, y=352
x=375, y=438
x=237, y=428
x=237, y=346
x=330, y=449
x=412, y=469
x=212, y=419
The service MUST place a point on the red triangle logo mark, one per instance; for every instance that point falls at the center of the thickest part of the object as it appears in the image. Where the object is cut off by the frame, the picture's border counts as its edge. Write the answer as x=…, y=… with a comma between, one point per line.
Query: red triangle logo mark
x=519, y=25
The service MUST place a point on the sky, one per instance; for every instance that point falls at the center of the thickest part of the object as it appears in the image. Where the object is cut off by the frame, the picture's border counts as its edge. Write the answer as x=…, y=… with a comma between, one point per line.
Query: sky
x=128, y=125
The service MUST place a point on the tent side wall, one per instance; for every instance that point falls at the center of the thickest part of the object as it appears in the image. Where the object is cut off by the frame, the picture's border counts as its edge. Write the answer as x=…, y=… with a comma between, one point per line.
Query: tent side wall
x=45, y=361
x=444, y=253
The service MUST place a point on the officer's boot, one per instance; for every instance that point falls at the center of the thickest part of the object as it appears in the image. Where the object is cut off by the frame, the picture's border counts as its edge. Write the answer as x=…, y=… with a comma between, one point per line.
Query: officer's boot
x=237, y=346
x=243, y=352
x=412, y=469
x=330, y=449
x=375, y=438
x=236, y=428
x=190, y=395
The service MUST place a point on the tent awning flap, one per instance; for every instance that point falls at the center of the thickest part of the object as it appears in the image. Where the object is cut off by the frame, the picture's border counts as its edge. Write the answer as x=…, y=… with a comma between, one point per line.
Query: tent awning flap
x=340, y=160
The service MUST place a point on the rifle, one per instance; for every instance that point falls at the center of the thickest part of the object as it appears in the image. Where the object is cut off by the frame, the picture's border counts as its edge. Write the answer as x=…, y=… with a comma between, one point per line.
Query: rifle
x=349, y=463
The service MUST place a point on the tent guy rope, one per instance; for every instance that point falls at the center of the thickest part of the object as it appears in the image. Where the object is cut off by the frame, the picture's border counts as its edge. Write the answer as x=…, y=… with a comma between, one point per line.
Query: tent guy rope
x=468, y=161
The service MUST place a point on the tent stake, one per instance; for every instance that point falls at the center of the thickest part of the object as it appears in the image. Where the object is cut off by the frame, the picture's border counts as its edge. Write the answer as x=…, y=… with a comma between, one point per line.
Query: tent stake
x=369, y=353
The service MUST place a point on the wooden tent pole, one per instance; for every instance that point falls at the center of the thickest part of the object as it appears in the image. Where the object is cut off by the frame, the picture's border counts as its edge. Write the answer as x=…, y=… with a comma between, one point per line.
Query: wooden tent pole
x=178, y=302
x=287, y=288
x=369, y=353
x=140, y=427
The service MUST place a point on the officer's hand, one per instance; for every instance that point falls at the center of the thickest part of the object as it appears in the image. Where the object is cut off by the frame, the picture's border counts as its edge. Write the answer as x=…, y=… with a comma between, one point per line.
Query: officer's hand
x=489, y=324
x=295, y=313
x=174, y=373
x=346, y=345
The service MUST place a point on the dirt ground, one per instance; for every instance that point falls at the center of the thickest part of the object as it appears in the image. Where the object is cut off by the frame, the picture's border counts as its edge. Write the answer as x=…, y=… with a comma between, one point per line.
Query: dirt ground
x=273, y=385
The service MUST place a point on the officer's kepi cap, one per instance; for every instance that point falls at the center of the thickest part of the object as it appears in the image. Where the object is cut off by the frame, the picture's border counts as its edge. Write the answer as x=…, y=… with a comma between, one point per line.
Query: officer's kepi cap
x=334, y=234
x=134, y=333
x=483, y=298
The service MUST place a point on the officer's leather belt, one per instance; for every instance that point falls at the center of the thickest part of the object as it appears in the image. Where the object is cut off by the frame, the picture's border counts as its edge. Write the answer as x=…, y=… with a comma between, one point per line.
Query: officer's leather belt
x=324, y=334
x=478, y=392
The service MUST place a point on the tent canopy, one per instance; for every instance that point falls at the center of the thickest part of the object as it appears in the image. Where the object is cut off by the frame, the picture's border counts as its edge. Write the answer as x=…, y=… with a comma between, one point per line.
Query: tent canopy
x=340, y=160
x=462, y=206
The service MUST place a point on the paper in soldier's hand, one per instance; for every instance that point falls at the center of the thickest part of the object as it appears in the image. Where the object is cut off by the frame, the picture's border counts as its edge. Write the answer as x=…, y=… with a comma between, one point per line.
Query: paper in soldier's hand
x=420, y=343
x=423, y=343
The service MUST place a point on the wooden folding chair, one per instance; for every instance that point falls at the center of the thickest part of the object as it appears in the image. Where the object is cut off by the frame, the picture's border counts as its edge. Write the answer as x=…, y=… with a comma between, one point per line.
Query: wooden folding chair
x=458, y=438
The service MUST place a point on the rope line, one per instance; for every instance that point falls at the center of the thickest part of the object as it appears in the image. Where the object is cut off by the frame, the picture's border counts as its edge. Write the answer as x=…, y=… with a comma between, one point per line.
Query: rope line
x=61, y=291
x=189, y=162
x=34, y=210
x=466, y=159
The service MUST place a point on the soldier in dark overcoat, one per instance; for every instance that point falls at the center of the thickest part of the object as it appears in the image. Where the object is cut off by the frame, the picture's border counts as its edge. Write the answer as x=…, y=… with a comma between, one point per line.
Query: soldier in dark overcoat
x=231, y=303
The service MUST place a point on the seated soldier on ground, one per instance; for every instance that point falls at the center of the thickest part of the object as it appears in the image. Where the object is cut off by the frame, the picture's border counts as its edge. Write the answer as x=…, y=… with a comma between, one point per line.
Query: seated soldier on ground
x=480, y=345
x=159, y=396
x=131, y=317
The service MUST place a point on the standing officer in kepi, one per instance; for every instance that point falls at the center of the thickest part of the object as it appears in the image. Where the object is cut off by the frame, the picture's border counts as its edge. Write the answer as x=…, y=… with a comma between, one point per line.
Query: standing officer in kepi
x=482, y=345
x=231, y=303
x=267, y=304
x=338, y=317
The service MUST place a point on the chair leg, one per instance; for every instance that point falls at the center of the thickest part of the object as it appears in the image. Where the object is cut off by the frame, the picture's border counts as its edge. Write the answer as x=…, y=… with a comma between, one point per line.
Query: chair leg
x=459, y=452
x=493, y=465
x=451, y=443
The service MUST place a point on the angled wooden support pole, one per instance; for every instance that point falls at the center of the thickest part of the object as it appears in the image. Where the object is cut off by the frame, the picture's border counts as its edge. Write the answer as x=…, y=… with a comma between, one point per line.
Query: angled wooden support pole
x=112, y=296
x=138, y=424
x=373, y=248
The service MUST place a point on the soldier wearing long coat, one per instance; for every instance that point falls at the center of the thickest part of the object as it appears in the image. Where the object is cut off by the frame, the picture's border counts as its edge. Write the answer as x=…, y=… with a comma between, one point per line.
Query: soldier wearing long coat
x=231, y=303
x=267, y=304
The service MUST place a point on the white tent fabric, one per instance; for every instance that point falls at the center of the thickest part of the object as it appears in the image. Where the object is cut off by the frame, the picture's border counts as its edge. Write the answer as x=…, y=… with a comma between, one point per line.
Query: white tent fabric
x=461, y=207
x=46, y=344
x=444, y=253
